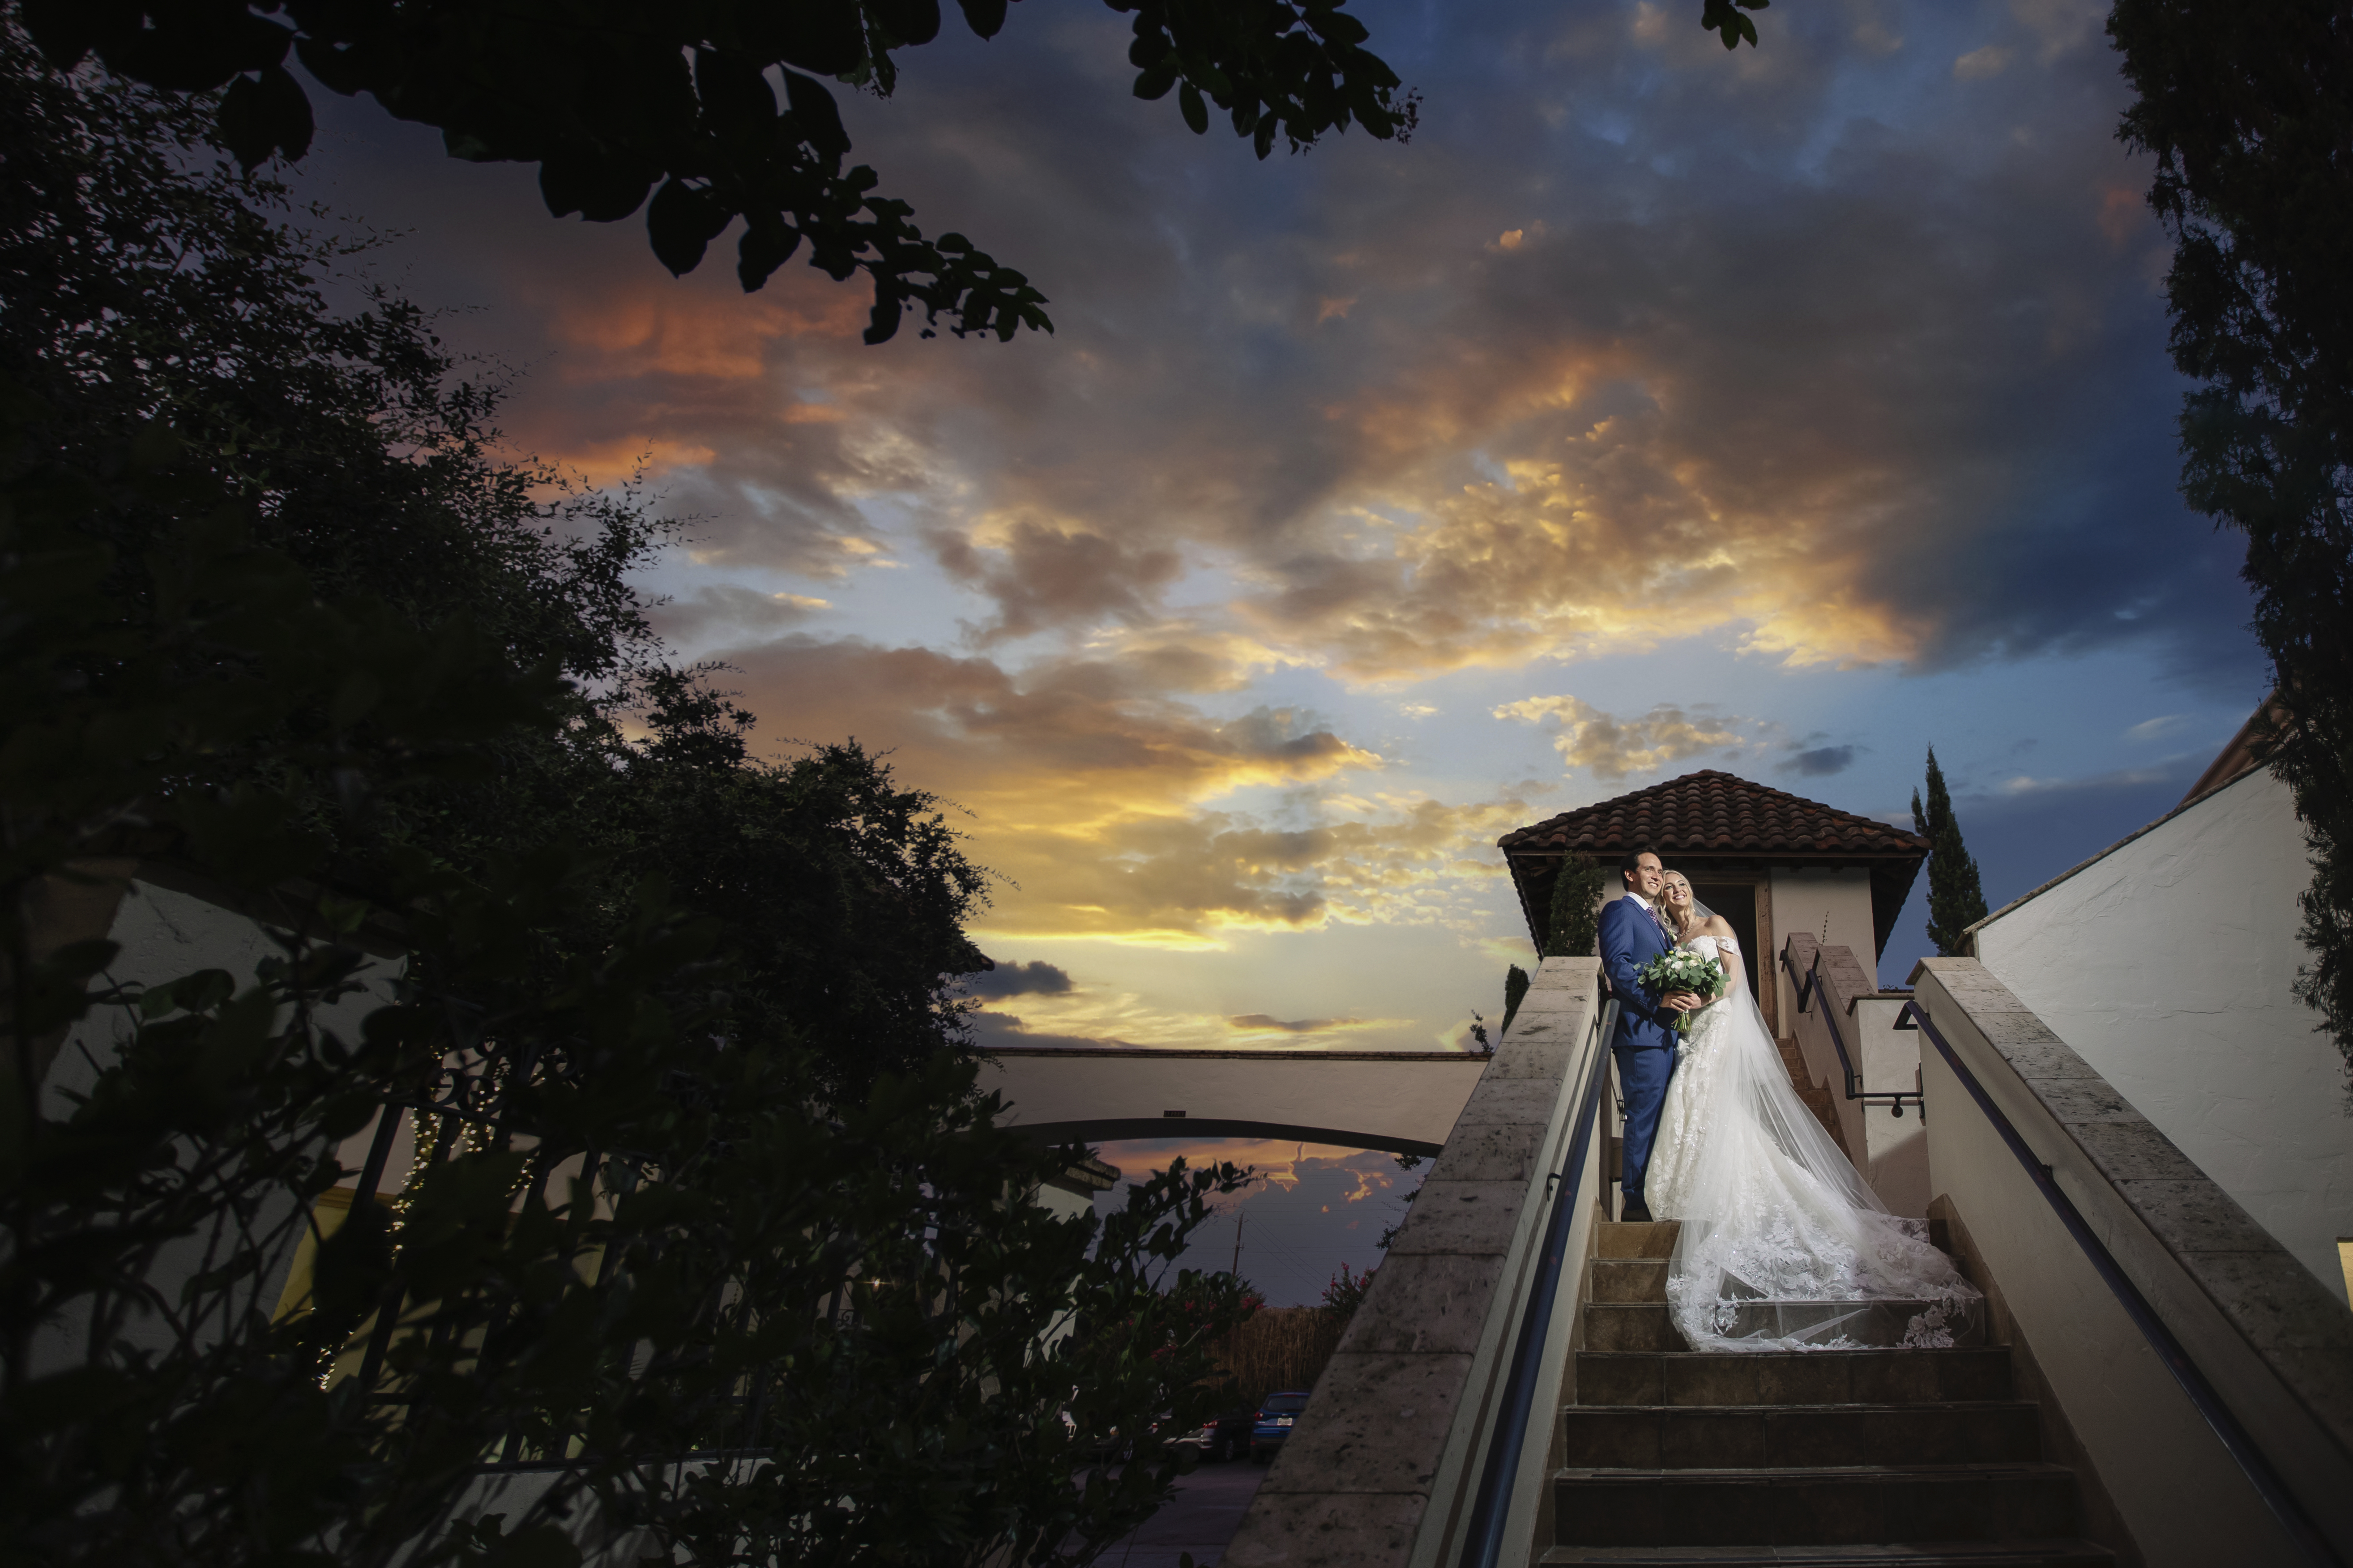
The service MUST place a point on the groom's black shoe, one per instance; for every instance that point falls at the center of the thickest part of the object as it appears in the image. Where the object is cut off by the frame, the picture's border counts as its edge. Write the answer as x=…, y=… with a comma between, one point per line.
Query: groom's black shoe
x=1637, y=1212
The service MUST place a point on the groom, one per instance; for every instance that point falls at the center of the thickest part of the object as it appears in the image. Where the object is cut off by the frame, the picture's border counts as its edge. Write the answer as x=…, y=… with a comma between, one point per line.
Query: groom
x=1634, y=932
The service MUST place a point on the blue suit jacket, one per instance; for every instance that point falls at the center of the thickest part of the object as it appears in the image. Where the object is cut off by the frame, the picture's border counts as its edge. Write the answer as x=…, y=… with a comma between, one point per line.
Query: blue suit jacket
x=1630, y=938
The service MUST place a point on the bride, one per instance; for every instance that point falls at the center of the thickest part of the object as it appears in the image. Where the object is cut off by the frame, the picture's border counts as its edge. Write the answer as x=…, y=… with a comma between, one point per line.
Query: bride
x=1782, y=1245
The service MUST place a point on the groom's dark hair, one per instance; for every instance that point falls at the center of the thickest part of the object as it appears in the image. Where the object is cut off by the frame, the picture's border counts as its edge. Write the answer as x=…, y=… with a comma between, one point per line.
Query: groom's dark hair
x=1633, y=859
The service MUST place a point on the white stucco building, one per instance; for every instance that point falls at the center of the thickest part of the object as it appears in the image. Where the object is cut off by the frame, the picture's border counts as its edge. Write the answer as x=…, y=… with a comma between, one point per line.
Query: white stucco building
x=2167, y=961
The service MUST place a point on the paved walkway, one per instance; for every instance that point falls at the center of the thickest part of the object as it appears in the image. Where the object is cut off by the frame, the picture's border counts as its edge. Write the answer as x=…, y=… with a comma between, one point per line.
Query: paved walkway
x=1200, y=1519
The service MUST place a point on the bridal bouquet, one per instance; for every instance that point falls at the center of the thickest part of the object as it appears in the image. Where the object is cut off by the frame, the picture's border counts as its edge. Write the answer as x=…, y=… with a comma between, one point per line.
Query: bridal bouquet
x=1682, y=970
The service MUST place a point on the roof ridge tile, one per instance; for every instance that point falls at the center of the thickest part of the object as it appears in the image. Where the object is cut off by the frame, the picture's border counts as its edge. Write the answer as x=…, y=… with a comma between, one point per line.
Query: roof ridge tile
x=1714, y=810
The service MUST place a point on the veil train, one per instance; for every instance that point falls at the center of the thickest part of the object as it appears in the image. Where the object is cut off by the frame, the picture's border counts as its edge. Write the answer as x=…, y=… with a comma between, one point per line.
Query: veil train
x=1783, y=1246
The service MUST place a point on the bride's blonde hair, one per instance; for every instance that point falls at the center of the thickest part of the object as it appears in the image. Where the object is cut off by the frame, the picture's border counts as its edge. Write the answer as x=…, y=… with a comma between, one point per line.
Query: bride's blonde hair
x=1699, y=914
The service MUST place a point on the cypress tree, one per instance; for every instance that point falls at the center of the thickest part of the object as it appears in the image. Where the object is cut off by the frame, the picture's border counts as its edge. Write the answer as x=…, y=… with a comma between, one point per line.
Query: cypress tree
x=1515, y=991
x=1574, y=927
x=1956, y=901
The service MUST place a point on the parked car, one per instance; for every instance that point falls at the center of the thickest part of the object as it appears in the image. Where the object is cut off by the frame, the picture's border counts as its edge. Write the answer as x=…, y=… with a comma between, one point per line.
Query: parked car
x=1115, y=1447
x=1271, y=1423
x=1226, y=1437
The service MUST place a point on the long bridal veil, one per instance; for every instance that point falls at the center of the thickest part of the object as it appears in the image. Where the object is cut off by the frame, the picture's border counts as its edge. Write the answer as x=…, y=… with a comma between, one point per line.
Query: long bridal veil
x=1782, y=1245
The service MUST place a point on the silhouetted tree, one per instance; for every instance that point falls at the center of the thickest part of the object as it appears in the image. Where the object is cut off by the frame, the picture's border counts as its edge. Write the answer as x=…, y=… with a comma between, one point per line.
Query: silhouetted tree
x=1573, y=926
x=2248, y=111
x=718, y=112
x=1515, y=991
x=1955, y=900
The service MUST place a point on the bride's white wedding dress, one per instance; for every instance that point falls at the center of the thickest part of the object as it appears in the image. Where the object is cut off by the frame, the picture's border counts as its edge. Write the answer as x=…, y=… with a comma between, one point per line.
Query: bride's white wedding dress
x=1783, y=1247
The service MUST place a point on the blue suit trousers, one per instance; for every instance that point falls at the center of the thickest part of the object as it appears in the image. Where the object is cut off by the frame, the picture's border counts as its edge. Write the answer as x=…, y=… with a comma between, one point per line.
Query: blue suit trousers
x=1643, y=1075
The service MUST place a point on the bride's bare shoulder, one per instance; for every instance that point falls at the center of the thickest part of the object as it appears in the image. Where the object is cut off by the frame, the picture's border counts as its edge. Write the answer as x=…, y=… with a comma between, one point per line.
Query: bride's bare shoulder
x=1717, y=926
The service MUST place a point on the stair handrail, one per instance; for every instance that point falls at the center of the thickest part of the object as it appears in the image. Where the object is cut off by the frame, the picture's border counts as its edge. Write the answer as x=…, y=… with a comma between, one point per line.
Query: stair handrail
x=1810, y=984
x=1491, y=1506
x=2236, y=1440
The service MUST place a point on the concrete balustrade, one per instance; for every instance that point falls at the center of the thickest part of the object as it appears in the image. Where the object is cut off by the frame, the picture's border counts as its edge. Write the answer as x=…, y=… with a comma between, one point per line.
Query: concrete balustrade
x=2275, y=1345
x=1382, y=1466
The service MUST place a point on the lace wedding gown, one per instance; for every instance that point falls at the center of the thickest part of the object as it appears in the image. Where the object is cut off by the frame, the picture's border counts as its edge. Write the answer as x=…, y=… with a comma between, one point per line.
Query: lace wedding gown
x=1783, y=1247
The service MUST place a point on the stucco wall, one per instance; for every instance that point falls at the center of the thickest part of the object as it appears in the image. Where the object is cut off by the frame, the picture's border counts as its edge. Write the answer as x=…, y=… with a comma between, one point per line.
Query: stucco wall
x=2167, y=965
x=1809, y=901
x=1896, y=1154
x=164, y=934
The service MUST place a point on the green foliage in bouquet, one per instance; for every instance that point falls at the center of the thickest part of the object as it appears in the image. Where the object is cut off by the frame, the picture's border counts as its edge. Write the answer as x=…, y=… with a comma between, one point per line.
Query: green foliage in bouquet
x=1679, y=969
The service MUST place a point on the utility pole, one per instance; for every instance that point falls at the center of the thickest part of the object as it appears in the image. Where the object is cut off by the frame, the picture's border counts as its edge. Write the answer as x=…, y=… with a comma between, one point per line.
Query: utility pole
x=1239, y=1214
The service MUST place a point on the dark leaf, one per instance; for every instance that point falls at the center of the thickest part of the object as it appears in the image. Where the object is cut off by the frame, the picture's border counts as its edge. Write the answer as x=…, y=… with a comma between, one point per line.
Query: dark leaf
x=734, y=92
x=598, y=188
x=65, y=30
x=766, y=244
x=1195, y=112
x=682, y=222
x=882, y=324
x=264, y=117
x=820, y=36
x=985, y=17
x=817, y=117
x=910, y=21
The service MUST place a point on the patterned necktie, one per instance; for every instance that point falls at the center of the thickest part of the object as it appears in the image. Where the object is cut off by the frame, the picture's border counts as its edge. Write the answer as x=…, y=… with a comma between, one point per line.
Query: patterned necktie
x=1659, y=921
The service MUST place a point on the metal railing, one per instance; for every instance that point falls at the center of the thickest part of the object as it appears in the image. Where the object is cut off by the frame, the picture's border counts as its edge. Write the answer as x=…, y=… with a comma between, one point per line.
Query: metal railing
x=2234, y=1437
x=1491, y=1506
x=1811, y=984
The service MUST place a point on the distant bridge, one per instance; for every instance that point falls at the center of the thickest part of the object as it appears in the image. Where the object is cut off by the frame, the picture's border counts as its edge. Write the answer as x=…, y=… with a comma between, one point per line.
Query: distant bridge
x=1402, y=1101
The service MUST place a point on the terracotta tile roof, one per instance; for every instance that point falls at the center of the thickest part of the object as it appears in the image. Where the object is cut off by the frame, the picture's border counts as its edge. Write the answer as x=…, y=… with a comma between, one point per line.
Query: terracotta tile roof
x=1711, y=812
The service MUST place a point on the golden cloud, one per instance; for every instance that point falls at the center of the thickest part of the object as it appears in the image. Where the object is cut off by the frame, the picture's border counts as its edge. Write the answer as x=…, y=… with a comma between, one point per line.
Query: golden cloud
x=1611, y=747
x=1097, y=796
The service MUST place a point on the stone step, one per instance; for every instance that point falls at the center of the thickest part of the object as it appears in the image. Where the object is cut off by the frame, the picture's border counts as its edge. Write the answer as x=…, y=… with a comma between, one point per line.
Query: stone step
x=1630, y=1326
x=1792, y=1377
x=1636, y=1238
x=1859, y=1323
x=1853, y=1505
x=1722, y=1436
x=2066, y=1553
x=1629, y=1280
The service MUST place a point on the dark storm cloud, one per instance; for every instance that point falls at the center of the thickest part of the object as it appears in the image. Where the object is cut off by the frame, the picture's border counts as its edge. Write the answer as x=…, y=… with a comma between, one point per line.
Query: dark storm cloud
x=994, y=1031
x=1035, y=977
x=1819, y=762
x=1042, y=576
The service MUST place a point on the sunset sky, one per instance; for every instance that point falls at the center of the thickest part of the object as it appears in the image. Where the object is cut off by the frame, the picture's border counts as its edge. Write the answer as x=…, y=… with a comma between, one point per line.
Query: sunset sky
x=1654, y=408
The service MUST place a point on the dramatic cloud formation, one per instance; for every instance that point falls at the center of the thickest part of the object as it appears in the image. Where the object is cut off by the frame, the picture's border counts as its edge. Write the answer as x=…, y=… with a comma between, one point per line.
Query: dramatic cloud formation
x=1794, y=408
x=1610, y=748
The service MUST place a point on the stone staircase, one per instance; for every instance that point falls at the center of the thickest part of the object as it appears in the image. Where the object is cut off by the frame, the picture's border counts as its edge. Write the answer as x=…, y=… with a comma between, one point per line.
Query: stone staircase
x=1919, y=1457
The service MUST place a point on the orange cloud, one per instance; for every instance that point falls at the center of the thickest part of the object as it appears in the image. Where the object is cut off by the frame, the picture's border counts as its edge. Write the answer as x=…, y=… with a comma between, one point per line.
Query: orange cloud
x=670, y=329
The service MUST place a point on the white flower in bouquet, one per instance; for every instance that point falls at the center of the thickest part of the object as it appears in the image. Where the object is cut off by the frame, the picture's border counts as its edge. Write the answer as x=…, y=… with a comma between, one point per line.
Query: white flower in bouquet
x=1682, y=970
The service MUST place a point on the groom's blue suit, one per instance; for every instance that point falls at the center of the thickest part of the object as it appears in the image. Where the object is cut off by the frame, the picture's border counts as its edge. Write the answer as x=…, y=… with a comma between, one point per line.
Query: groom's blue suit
x=1644, y=1043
